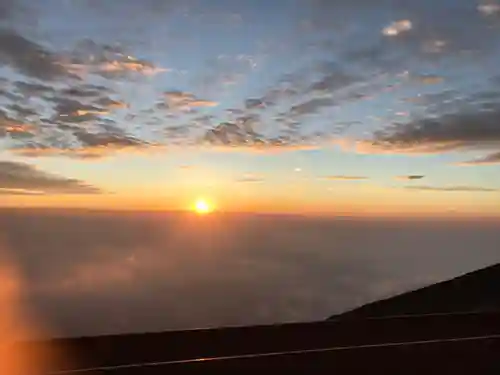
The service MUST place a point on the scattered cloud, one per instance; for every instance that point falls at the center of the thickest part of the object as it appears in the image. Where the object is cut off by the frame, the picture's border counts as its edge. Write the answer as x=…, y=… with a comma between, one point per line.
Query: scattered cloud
x=75, y=111
x=113, y=69
x=470, y=128
x=29, y=58
x=22, y=111
x=32, y=89
x=397, y=27
x=178, y=100
x=410, y=177
x=13, y=127
x=112, y=62
x=106, y=140
x=22, y=178
x=109, y=103
x=20, y=192
x=90, y=104
x=334, y=80
x=487, y=160
x=489, y=8
x=232, y=133
x=311, y=106
x=252, y=103
x=84, y=91
x=452, y=188
x=250, y=178
x=105, y=146
x=428, y=79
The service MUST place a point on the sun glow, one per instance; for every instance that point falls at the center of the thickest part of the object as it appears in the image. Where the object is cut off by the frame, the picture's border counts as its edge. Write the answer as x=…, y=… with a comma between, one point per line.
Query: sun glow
x=203, y=207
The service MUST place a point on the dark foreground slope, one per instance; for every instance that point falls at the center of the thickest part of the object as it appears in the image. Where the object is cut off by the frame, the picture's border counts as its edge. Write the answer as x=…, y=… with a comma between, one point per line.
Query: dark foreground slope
x=458, y=344
x=446, y=339
x=474, y=291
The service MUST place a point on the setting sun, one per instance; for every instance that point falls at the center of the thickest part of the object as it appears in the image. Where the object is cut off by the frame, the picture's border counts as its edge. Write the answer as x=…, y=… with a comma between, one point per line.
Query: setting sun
x=202, y=206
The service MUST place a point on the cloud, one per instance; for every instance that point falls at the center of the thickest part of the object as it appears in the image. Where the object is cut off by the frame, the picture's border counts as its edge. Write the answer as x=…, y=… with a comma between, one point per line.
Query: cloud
x=334, y=74
x=452, y=188
x=487, y=160
x=22, y=111
x=29, y=89
x=276, y=268
x=14, y=128
x=344, y=178
x=70, y=107
x=183, y=100
x=73, y=111
x=409, y=177
x=25, y=177
x=84, y=91
x=250, y=178
x=397, y=27
x=29, y=58
x=112, y=62
x=311, y=106
x=428, y=79
x=106, y=146
x=333, y=81
x=252, y=103
x=471, y=128
x=109, y=103
x=20, y=192
x=489, y=8
x=240, y=135
x=96, y=140
x=232, y=133
x=69, y=115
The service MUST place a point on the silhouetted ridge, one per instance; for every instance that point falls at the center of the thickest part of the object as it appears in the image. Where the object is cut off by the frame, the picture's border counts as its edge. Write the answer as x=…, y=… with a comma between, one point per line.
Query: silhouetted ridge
x=473, y=291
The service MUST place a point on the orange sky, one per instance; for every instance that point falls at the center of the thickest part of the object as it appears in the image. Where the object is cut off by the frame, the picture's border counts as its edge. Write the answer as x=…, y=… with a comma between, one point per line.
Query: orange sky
x=362, y=201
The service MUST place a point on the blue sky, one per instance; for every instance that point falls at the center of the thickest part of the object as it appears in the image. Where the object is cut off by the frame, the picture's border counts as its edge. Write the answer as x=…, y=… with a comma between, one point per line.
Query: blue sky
x=313, y=102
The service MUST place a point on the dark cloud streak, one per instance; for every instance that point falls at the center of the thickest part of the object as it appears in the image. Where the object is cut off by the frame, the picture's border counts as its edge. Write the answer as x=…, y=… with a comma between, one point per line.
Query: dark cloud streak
x=29, y=58
x=453, y=188
x=22, y=176
x=487, y=160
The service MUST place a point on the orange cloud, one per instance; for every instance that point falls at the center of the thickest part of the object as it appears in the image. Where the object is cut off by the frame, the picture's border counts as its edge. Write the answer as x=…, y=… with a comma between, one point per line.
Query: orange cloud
x=397, y=27
x=183, y=100
x=113, y=67
x=90, y=152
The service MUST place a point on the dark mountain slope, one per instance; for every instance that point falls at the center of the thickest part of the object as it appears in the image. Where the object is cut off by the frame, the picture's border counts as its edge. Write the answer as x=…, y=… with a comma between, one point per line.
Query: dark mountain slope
x=477, y=290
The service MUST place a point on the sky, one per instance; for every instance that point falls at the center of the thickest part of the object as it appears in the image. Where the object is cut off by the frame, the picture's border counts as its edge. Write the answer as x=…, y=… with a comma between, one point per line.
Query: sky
x=324, y=107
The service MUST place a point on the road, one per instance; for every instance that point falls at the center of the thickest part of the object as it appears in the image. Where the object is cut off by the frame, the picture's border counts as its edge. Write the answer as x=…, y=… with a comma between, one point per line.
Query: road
x=450, y=343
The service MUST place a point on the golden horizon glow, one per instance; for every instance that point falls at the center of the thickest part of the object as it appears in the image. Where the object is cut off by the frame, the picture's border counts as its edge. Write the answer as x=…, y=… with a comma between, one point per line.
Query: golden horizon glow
x=367, y=201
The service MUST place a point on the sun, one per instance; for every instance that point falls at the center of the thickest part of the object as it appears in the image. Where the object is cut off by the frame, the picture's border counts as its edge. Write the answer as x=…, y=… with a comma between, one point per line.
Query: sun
x=202, y=207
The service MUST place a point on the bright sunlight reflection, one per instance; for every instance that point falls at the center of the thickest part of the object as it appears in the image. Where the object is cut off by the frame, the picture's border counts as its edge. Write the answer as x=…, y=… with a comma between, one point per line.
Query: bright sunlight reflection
x=202, y=207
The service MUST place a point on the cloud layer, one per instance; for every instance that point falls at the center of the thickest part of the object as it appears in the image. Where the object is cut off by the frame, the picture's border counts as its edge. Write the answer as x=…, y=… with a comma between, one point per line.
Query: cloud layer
x=150, y=272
